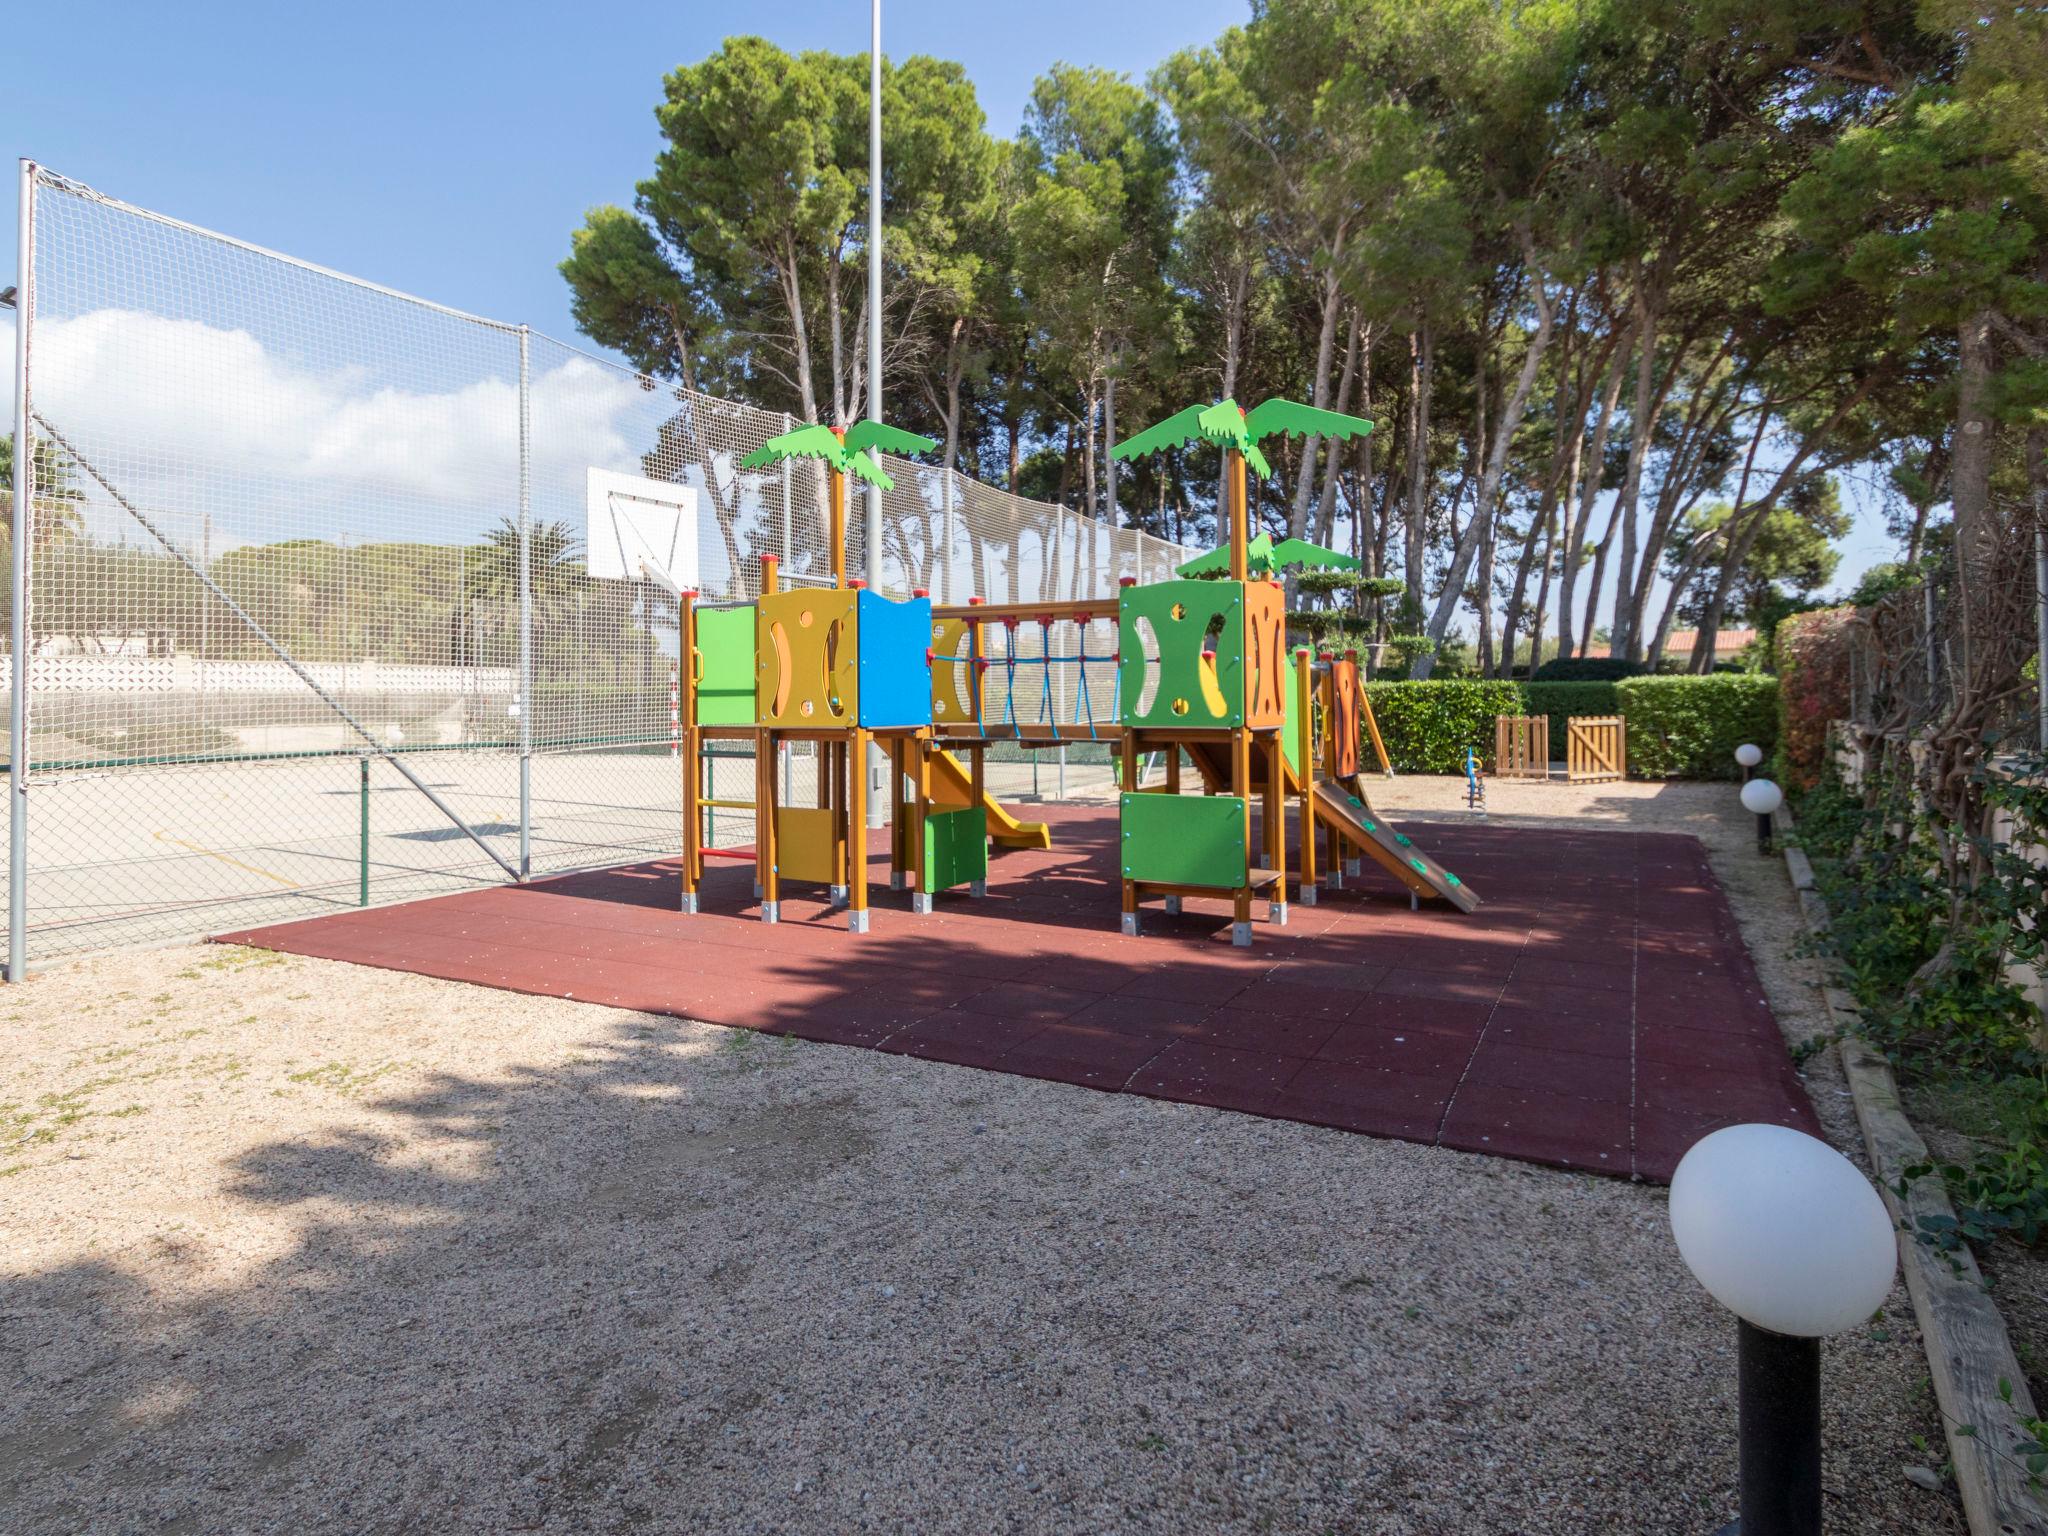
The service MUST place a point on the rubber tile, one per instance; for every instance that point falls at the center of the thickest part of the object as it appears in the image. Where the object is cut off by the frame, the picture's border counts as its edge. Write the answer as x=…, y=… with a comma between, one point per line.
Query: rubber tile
x=1594, y=1006
x=1512, y=1026
x=1437, y=985
x=1299, y=1035
x=1191, y=1073
x=967, y=1039
x=1027, y=1002
x=1537, y=970
x=1418, y=1053
x=1580, y=1076
x=1090, y=1058
x=1362, y=1098
x=1541, y=1127
x=1427, y=1015
x=1537, y=1029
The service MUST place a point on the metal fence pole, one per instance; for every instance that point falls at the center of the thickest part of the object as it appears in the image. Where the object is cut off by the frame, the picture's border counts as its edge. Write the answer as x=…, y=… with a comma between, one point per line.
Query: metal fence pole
x=363, y=885
x=24, y=521
x=525, y=605
x=786, y=425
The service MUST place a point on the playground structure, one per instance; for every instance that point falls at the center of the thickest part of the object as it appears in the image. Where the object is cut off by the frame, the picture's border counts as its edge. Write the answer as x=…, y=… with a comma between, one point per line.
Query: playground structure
x=1198, y=671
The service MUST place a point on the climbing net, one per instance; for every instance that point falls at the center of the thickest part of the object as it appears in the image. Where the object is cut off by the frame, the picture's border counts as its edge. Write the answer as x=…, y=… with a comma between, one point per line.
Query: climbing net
x=1038, y=678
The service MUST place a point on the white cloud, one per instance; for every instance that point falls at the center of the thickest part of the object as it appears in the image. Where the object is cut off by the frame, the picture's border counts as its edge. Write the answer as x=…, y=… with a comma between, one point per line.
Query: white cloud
x=186, y=417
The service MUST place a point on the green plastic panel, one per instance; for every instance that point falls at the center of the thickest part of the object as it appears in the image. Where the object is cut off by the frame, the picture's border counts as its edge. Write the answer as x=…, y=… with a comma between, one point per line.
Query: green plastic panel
x=725, y=639
x=955, y=848
x=1185, y=840
x=1167, y=622
x=1290, y=733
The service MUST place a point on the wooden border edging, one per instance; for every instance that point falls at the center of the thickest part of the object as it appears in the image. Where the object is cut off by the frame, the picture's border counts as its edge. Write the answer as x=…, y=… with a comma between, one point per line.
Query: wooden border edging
x=1969, y=1352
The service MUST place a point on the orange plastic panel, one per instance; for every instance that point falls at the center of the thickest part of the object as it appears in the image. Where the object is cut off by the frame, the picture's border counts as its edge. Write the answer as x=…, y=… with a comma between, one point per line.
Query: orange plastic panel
x=1343, y=717
x=1265, y=655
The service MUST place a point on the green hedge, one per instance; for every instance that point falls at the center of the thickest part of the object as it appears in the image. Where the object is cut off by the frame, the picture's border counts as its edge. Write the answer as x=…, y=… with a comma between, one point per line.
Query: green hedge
x=1678, y=727
x=1689, y=727
x=1561, y=701
x=1428, y=725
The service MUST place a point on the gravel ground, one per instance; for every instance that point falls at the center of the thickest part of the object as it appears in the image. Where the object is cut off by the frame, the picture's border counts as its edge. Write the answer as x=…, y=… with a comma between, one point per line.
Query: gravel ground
x=287, y=1244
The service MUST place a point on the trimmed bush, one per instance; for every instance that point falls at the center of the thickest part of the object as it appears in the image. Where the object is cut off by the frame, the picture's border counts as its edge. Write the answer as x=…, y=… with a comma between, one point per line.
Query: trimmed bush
x=1587, y=669
x=1561, y=701
x=1689, y=727
x=1428, y=725
x=1813, y=689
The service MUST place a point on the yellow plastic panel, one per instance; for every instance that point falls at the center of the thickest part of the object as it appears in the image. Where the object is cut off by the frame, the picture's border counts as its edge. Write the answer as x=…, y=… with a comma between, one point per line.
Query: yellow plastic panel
x=807, y=655
x=803, y=845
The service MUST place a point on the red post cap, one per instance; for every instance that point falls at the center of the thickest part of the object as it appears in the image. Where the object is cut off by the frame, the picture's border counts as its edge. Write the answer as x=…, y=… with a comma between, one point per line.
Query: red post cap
x=976, y=602
x=771, y=559
x=1127, y=581
x=856, y=584
x=1351, y=655
x=920, y=592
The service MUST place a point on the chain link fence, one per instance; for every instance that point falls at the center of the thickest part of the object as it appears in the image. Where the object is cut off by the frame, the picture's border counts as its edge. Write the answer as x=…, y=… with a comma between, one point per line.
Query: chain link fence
x=301, y=582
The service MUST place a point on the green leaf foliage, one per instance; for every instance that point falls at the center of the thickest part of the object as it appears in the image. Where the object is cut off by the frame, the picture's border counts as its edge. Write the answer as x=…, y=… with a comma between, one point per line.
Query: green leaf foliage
x=1689, y=727
x=1813, y=689
x=1428, y=725
x=1581, y=669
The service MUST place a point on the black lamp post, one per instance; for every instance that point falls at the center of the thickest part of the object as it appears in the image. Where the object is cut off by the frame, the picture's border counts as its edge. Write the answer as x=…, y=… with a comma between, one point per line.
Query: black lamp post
x=1784, y=1232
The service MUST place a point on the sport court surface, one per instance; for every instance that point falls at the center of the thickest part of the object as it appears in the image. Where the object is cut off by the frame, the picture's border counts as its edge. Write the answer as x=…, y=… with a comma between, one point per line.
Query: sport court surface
x=1599, y=1011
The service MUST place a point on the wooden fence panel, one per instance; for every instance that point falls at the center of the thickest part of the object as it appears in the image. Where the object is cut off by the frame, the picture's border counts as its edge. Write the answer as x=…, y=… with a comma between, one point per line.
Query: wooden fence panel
x=1596, y=748
x=1521, y=746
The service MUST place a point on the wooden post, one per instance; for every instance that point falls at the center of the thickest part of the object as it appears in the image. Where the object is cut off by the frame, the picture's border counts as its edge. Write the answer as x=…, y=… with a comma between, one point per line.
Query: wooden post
x=1240, y=554
x=836, y=534
x=857, y=830
x=1305, y=749
x=1173, y=768
x=687, y=756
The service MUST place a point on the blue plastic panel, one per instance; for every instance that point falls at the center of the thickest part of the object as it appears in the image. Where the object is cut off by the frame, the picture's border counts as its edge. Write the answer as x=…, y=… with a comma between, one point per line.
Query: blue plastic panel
x=895, y=674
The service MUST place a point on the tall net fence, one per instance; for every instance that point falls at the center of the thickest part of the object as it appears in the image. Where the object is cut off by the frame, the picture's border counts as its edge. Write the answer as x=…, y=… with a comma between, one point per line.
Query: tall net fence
x=309, y=616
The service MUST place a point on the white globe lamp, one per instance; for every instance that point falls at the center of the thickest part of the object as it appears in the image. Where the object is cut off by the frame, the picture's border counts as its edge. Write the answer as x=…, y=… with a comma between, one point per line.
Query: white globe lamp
x=1749, y=754
x=1760, y=797
x=1788, y=1235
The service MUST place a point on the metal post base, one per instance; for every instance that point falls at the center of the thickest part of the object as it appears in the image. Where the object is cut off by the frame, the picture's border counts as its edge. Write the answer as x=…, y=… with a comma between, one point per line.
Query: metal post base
x=771, y=911
x=1335, y=878
x=1173, y=906
x=920, y=903
x=1307, y=894
x=1241, y=935
x=1130, y=925
x=1354, y=866
x=857, y=922
x=690, y=901
x=1276, y=913
x=758, y=890
x=977, y=888
x=838, y=895
x=1414, y=902
x=898, y=880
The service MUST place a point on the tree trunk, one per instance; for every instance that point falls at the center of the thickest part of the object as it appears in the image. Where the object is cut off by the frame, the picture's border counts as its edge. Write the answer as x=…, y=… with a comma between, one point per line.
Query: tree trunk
x=1588, y=492
x=1490, y=479
x=1333, y=461
x=1326, y=346
x=1642, y=418
x=1421, y=368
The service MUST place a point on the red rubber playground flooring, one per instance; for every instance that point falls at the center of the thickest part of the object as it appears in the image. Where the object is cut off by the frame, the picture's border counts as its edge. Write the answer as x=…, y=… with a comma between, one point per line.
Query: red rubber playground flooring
x=1598, y=1012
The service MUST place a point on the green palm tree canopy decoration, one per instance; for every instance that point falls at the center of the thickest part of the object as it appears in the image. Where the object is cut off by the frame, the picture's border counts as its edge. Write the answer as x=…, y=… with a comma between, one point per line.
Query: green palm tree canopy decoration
x=1228, y=425
x=850, y=454
x=1265, y=557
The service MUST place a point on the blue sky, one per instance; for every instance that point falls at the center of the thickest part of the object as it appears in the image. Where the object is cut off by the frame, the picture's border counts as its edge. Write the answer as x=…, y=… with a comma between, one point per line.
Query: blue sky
x=447, y=151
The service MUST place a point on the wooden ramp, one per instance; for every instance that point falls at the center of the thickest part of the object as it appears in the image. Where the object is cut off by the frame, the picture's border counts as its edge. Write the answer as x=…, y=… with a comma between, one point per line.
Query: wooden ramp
x=1342, y=806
